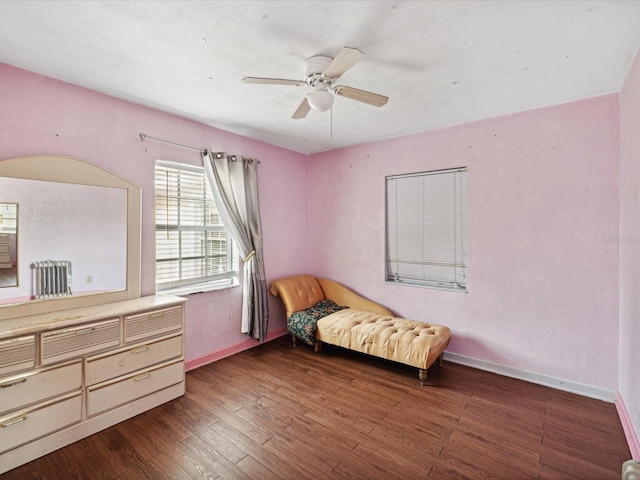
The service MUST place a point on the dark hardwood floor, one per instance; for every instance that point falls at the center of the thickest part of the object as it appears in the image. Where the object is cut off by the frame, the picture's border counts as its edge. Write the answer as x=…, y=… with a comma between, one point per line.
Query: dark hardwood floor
x=275, y=412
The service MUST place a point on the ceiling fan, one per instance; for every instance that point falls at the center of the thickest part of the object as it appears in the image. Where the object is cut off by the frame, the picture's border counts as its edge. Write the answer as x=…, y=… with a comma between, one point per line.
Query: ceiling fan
x=320, y=72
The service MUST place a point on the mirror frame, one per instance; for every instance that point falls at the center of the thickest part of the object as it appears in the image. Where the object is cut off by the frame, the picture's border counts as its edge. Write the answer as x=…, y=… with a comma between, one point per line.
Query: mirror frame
x=53, y=168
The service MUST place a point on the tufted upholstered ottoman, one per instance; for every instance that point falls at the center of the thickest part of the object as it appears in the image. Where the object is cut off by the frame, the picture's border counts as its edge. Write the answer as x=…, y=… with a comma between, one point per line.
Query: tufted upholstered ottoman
x=365, y=326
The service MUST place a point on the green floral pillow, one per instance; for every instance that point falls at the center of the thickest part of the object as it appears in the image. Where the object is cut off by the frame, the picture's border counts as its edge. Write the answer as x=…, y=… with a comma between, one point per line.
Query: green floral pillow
x=302, y=324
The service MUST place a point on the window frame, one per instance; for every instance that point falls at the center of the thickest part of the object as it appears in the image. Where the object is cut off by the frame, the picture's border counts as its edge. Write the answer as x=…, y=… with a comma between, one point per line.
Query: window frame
x=194, y=284
x=446, y=263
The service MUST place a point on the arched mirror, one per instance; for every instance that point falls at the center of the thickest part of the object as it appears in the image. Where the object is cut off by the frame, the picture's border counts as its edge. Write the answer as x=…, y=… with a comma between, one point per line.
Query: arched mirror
x=76, y=239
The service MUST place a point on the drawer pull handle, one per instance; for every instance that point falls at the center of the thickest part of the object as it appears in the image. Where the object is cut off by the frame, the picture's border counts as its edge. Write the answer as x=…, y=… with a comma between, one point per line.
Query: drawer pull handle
x=141, y=377
x=141, y=349
x=86, y=330
x=15, y=382
x=13, y=421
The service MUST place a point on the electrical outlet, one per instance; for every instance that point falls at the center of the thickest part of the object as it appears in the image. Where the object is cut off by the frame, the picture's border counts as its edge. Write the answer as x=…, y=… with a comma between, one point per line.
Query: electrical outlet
x=89, y=280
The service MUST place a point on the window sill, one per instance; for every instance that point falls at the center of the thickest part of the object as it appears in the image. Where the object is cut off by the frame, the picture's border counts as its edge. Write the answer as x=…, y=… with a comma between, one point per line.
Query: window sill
x=432, y=286
x=196, y=289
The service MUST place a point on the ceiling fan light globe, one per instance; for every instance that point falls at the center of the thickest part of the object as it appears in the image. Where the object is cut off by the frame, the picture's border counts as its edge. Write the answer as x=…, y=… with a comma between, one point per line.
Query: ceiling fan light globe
x=320, y=100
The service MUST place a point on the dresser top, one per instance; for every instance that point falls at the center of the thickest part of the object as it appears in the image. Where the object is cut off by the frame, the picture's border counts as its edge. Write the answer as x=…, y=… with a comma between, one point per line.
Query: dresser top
x=14, y=327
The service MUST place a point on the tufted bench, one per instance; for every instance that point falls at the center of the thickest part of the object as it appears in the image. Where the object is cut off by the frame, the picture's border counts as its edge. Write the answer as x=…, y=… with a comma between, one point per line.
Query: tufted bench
x=366, y=326
x=413, y=343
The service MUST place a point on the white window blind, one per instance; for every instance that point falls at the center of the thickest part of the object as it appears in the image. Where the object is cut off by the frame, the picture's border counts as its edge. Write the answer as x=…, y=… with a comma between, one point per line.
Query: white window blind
x=194, y=252
x=427, y=229
x=9, y=218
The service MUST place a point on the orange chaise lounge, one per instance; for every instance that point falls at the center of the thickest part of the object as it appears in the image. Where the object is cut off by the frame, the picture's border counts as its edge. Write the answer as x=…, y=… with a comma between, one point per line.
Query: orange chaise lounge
x=323, y=311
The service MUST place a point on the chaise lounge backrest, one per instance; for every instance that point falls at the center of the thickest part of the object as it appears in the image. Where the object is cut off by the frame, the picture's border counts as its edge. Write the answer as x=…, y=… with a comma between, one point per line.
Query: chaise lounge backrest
x=301, y=292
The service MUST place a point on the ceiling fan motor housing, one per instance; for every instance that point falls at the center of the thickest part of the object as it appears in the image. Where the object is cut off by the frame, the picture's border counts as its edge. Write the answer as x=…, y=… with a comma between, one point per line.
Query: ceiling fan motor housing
x=314, y=67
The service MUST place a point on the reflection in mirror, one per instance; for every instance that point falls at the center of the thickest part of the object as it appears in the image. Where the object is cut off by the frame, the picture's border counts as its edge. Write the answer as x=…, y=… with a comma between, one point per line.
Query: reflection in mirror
x=8, y=245
x=66, y=170
x=81, y=224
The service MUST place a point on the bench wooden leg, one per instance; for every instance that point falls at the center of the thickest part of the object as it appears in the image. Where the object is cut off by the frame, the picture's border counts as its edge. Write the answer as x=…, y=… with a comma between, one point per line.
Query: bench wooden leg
x=318, y=346
x=293, y=340
x=422, y=374
x=440, y=360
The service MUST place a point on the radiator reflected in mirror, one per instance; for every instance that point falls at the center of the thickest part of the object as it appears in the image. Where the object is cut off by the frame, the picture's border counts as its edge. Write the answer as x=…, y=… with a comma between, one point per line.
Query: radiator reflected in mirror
x=85, y=225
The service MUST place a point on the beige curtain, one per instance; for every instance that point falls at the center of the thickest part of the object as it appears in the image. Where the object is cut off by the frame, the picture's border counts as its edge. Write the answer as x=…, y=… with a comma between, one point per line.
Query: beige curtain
x=234, y=183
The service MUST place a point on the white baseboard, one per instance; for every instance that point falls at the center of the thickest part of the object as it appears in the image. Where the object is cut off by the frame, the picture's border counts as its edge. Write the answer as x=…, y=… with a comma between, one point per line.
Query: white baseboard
x=537, y=378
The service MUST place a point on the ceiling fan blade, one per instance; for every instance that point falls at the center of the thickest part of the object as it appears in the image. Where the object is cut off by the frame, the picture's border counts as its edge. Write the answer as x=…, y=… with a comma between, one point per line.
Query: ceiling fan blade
x=273, y=81
x=361, y=95
x=346, y=58
x=303, y=109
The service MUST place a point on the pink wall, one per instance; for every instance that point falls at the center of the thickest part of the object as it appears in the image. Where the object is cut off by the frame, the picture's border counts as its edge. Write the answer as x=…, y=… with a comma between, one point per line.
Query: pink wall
x=629, y=244
x=543, y=219
x=40, y=115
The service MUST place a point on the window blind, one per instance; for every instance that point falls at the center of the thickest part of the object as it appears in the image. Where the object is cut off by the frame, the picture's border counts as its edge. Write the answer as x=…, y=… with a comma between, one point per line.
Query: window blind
x=193, y=249
x=427, y=228
x=9, y=218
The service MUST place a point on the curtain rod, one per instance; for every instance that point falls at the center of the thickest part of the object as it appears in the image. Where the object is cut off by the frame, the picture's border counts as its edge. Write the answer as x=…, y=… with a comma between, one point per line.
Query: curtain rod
x=143, y=136
x=201, y=150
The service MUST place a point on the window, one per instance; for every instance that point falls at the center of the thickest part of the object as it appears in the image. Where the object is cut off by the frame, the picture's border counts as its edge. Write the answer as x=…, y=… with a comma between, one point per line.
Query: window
x=427, y=229
x=194, y=252
x=9, y=218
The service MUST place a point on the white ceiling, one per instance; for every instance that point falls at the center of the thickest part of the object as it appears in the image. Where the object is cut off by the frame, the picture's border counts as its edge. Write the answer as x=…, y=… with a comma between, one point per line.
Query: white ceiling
x=440, y=62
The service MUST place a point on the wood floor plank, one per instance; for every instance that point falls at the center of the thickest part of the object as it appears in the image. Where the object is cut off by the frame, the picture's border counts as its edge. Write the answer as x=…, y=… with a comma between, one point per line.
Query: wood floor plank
x=502, y=412
x=200, y=461
x=256, y=470
x=162, y=427
x=518, y=436
x=280, y=413
x=191, y=414
x=126, y=452
x=355, y=467
x=394, y=463
x=431, y=426
x=522, y=459
x=323, y=435
x=235, y=424
x=559, y=465
x=223, y=444
x=472, y=460
x=169, y=465
x=349, y=399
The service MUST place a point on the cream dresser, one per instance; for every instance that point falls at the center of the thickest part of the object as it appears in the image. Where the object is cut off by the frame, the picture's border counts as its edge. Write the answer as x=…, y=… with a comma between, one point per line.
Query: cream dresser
x=68, y=374
x=5, y=251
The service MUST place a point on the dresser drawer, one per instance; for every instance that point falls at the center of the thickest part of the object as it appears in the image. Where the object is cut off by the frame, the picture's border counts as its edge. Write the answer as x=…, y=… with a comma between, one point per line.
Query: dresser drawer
x=32, y=387
x=150, y=324
x=136, y=357
x=34, y=422
x=114, y=393
x=67, y=343
x=4, y=248
x=17, y=354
